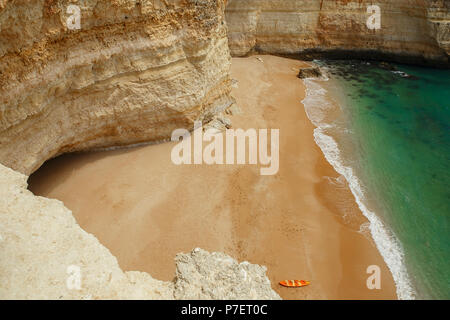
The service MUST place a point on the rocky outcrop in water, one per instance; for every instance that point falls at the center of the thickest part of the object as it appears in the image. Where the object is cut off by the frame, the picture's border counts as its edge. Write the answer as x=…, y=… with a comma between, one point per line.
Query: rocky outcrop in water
x=311, y=72
x=415, y=31
x=134, y=71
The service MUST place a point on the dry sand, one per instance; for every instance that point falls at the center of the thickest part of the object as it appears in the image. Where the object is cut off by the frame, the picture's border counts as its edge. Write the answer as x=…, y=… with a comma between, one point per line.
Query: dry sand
x=145, y=209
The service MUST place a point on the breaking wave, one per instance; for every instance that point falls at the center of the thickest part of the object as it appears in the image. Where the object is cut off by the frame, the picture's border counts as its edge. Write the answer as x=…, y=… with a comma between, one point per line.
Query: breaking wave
x=317, y=104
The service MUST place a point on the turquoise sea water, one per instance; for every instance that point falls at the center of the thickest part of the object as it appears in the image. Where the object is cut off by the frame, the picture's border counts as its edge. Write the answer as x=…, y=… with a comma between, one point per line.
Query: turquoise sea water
x=398, y=131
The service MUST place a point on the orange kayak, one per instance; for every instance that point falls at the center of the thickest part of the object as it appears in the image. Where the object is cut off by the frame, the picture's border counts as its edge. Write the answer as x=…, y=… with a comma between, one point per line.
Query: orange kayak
x=294, y=283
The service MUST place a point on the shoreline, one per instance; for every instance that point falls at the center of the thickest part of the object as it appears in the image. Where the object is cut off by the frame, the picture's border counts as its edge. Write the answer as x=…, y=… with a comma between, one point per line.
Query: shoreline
x=386, y=242
x=290, y=222
x=310, y=55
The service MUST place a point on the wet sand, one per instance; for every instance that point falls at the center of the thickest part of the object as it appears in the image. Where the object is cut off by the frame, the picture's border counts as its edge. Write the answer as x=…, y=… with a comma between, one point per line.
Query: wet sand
x=145, y=209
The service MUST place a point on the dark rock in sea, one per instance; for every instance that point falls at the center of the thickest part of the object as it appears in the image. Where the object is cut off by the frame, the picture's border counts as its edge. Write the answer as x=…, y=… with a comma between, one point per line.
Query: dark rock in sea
x=311, y=72
x=387, y=66
x=406, y=75
x=363, y=91
x=412, y=77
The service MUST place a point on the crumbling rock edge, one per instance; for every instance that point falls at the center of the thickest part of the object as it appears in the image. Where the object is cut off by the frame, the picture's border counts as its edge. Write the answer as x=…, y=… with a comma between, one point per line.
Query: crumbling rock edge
x=42, y=248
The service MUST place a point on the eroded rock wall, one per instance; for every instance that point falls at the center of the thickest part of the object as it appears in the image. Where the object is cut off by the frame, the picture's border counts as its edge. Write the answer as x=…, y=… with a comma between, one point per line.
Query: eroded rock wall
x=135, y=71
x=412, y=30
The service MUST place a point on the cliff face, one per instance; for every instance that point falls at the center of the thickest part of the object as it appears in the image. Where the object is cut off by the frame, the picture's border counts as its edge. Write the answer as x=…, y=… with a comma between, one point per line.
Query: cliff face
x=43, y=253
x=135, y=71
x=415, y=30
x=138, y=69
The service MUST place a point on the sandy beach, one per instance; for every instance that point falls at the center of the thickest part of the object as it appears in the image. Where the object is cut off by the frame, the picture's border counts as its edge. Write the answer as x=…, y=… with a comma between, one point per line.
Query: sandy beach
x=145, y=209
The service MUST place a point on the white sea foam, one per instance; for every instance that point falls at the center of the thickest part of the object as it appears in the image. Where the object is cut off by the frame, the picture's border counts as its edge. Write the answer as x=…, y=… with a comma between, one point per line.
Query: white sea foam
x=316, y=104
x=316, y=96
x=401, y=74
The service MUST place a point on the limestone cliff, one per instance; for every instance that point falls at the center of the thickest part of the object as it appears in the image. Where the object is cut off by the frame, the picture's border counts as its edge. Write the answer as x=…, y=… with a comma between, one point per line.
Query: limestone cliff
x=43, y=251
x=411, y=30
x=135, y=71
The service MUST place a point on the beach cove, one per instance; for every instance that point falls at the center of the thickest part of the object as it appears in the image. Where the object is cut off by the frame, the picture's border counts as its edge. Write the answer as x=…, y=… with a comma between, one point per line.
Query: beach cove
x=145, y=209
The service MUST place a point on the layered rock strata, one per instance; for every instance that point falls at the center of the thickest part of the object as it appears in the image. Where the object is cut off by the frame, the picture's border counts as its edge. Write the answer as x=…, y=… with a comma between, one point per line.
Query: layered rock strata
x=135, y=71
x=416, y=31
